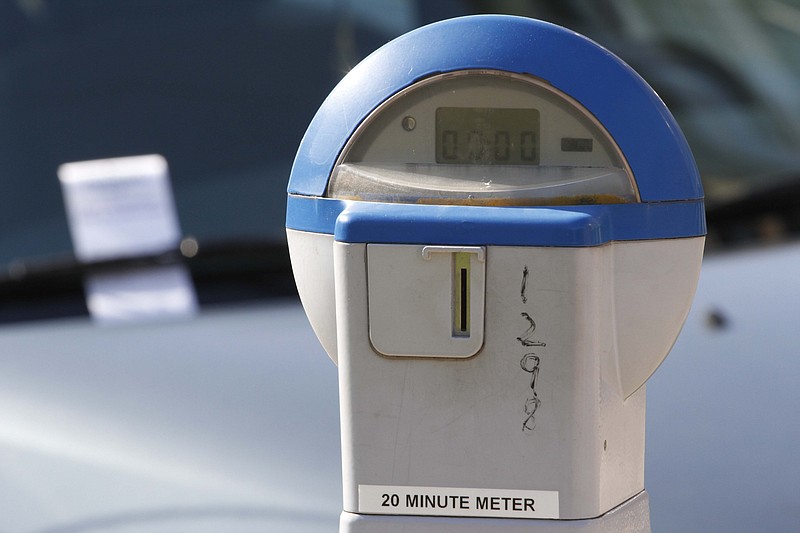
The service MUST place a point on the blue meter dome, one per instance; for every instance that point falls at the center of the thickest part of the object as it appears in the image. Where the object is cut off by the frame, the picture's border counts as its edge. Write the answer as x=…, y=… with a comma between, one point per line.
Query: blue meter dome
x=548, y=110
x=615, y=94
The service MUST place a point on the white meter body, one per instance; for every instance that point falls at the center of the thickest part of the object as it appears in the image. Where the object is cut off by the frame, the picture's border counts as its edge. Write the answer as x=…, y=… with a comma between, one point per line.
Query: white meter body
x=496, y=229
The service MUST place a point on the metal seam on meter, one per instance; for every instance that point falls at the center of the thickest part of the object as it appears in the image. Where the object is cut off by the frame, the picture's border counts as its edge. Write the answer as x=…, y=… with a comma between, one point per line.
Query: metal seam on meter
x=592, y=225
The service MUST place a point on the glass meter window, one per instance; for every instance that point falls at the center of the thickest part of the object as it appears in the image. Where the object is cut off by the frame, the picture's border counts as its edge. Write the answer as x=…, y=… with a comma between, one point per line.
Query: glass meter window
x=487, y=136
x=482, y=138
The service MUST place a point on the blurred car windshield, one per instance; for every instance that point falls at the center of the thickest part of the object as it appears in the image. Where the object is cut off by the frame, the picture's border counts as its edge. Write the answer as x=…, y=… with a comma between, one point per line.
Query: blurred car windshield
x=225, y=90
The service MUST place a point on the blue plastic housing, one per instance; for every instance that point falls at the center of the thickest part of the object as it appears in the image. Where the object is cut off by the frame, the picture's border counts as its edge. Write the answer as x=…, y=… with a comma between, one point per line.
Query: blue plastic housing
x=635, y=117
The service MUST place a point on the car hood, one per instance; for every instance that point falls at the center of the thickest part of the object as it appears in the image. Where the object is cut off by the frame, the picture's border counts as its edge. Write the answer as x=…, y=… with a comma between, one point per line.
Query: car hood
x=225, y=422
x=229, y=422
x=722, y=419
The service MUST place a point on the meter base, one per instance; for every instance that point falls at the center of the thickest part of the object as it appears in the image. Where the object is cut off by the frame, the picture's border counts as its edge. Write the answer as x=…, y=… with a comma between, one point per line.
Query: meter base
x=633, y=516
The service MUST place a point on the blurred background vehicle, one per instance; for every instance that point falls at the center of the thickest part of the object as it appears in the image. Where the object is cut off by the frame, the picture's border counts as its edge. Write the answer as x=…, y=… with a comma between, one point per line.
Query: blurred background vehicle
x=229, y=421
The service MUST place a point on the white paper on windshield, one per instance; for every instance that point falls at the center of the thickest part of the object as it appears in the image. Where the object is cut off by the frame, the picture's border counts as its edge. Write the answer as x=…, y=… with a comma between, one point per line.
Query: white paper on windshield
x=121, y=208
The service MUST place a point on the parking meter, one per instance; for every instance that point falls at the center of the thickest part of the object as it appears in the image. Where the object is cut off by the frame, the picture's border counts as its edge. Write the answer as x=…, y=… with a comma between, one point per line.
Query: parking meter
x=496, y=228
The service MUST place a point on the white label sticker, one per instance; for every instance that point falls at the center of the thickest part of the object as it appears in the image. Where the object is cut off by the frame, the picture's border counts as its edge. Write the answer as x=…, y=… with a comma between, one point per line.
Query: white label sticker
x=120, y=207
x=124, y=208
x=442, y=501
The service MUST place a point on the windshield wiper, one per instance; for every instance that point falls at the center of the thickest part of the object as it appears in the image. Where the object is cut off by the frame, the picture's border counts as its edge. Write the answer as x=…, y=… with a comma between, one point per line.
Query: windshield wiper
x=223, y=271
x=765, y=214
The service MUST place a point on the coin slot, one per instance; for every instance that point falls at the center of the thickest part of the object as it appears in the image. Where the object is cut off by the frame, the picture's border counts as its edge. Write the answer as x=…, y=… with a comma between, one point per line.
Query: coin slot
x=461, y=299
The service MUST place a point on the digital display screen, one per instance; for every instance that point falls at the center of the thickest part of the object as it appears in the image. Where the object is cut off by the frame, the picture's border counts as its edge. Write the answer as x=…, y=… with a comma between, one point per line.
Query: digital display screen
x=487, y=136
